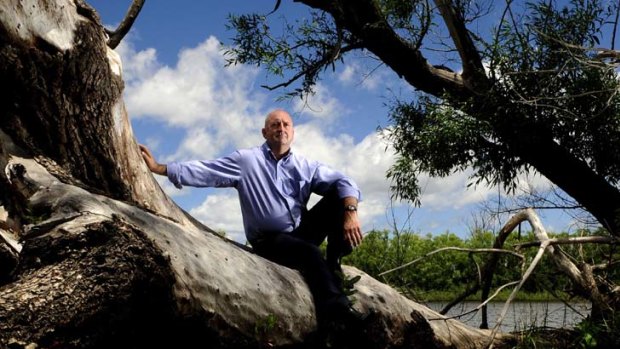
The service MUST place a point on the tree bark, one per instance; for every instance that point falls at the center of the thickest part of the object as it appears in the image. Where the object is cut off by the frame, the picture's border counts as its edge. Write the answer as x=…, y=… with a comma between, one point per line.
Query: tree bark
x=107, y=259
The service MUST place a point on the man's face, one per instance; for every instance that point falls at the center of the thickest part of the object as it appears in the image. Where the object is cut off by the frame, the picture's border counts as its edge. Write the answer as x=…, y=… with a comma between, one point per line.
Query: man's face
x=279, y=129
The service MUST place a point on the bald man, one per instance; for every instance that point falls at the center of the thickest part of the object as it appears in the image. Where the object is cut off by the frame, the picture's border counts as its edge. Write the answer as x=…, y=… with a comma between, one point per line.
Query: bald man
x=274, y=185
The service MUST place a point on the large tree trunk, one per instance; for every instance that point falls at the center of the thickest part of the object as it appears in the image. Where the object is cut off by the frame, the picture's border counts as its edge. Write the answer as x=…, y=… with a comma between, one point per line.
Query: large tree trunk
x=108, y=260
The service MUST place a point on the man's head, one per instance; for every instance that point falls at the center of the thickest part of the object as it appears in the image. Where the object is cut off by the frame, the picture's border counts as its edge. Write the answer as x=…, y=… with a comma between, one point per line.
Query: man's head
x=278, y=130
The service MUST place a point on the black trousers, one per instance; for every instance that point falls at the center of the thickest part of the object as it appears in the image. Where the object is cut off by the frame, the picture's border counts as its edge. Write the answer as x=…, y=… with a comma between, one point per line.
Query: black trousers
x=300, y=250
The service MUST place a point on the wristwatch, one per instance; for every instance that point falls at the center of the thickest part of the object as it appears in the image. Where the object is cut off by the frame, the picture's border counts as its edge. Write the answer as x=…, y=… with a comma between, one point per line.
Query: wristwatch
x=350, y=208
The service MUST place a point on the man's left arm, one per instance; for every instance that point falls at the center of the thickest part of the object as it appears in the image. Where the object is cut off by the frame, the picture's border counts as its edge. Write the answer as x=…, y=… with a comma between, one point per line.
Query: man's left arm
x=352, y=227
x=326, y=179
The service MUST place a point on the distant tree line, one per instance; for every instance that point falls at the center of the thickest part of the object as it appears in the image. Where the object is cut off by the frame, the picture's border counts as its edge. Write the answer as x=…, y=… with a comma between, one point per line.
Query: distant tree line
x=448, y=272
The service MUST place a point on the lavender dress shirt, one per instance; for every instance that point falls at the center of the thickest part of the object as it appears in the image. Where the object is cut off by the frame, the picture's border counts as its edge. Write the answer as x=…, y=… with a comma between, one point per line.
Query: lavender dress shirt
x=273, y=193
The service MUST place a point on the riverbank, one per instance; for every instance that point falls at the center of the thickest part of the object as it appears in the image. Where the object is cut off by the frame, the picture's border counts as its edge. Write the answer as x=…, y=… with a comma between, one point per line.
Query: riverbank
x=448, y=296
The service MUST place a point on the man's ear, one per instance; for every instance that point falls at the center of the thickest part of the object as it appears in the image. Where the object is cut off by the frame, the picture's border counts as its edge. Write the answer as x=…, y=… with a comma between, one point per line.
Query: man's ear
x=264, y=132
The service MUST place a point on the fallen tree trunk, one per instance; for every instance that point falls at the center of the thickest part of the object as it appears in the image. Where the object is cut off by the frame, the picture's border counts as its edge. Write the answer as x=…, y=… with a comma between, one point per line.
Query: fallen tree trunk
x=107, y=259
x=89, y=259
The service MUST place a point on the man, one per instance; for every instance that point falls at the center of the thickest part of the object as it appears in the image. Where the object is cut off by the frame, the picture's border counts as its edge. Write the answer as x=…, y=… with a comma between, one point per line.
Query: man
x=274, y=185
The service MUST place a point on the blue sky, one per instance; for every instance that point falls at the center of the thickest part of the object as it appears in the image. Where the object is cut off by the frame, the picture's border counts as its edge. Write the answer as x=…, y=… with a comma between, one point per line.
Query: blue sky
x=185, y=104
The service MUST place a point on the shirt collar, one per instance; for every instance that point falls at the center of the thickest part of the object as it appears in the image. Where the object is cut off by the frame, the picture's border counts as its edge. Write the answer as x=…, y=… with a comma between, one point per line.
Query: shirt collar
x=267, y=152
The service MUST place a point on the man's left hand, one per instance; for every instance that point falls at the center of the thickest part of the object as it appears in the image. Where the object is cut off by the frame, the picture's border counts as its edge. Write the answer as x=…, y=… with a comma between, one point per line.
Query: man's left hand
x=352, y=228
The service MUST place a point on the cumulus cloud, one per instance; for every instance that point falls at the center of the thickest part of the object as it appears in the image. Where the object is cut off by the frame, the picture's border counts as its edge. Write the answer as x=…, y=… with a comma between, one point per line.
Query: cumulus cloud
x=222, y=213
x=451, y=192
x=320, y=105
x=197, y=94
x=365, y=161
x=137, y=65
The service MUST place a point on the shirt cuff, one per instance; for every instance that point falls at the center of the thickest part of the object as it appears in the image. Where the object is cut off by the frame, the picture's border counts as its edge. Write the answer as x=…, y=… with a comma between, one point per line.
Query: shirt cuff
x=172, y=171
x=347, y=192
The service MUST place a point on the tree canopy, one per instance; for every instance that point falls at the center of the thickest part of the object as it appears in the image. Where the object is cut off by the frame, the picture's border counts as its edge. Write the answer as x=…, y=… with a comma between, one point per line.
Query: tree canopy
x=528, y=92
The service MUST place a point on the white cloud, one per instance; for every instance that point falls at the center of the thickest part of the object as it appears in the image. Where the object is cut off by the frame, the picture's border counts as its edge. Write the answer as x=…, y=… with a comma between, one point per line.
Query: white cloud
x=533, y=182
x=354, y=74
x=136, y=65
x=451, y=192
x=221, y=212
x=321, y=105
x=347, y=74
x=366, y=162
x=198, y=95
x=170, y=189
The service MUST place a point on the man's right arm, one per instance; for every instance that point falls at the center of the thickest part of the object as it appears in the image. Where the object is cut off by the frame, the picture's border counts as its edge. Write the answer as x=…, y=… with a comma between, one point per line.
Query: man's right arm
x=151, y=163
x=221, y=172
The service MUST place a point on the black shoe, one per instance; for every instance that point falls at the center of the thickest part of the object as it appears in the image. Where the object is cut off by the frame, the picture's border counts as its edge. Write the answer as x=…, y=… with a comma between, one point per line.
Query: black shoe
x=350, y=316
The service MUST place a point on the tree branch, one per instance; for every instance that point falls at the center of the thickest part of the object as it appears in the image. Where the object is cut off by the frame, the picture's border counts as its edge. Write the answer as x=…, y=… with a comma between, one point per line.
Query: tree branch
x=583, y=278
x=314, y=67
x=462, y=249
x=471, y=60
x=364, y=19
x=614, y=31
x=122, y=30
x=573, y=241
x=528, y=272
x=481, y=305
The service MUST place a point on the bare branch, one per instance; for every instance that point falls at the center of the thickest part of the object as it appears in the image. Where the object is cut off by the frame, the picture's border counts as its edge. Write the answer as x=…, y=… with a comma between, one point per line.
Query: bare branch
x=425, y=26
x=276, y=7
x=462, y=249
x=528, y=272
x=312, y=68
x=122, y=30
x=573, y=241
x=499, y=289
x=583, y=277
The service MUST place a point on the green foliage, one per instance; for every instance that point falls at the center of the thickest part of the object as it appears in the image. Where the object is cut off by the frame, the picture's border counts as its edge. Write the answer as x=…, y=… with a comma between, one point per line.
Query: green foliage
x=598, y=334
x=544, y=81
x=383, y=251
x=263, y=327
x=543, y=63
x=308, y=46
x=588, y=332
x=432, y=137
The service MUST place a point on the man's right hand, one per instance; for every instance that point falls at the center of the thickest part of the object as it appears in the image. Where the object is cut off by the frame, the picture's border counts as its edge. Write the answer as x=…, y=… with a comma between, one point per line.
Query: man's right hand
x=151, y=163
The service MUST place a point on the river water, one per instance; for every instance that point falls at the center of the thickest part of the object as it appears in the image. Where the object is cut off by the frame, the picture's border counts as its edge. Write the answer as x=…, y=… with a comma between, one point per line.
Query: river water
x=521, y=315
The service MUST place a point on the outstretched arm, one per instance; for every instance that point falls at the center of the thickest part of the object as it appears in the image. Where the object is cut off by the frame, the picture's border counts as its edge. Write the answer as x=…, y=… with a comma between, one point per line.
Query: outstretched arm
x=153, y=165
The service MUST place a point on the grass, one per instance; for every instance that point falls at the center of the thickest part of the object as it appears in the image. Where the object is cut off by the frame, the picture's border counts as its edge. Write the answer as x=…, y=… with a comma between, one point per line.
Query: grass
x=446, y=296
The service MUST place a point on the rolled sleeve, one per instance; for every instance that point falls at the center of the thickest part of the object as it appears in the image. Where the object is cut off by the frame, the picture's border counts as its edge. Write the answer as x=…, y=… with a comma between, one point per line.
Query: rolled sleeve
x=349, y=190
x=173, y=174
x=325, y=179
x=222, y=172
